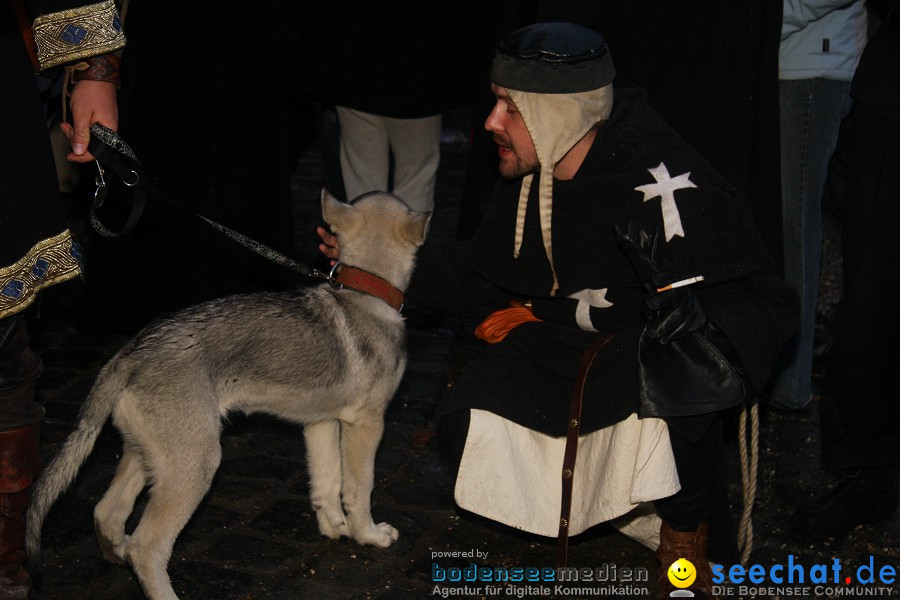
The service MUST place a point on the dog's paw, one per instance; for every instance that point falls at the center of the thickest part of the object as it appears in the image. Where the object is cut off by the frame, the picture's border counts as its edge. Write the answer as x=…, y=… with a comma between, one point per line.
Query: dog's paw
x=390, y=531
x=332, y=530
x=114, y=553
x=380, y=536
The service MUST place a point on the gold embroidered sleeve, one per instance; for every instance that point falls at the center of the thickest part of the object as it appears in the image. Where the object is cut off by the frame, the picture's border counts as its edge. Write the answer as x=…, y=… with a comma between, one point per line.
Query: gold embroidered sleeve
x=50, y=261
x=78, y=33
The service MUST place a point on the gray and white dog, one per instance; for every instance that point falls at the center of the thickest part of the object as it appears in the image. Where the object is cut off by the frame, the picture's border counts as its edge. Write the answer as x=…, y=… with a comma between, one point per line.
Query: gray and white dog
x=329, y=359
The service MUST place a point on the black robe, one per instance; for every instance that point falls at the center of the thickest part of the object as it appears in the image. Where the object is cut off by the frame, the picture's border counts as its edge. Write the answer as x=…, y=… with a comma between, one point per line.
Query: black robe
x=36, y=250
x=528, y=377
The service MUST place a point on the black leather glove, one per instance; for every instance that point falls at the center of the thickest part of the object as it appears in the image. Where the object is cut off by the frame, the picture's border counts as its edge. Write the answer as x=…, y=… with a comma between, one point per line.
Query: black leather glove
x=640, y=248
x=674, y=313
x=670, y=314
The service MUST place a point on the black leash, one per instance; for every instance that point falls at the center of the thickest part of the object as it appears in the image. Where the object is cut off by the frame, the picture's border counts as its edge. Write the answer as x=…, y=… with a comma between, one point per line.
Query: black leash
x=114, y=155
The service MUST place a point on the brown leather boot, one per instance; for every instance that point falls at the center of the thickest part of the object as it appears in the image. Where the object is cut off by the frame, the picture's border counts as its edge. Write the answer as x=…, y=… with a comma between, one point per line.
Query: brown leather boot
x=690, y=545
x=20, y=456
x=19, y=464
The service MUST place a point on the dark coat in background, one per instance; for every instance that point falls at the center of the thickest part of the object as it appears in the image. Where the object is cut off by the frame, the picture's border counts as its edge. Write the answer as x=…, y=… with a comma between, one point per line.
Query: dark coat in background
x=861, y=412
x=394, y=58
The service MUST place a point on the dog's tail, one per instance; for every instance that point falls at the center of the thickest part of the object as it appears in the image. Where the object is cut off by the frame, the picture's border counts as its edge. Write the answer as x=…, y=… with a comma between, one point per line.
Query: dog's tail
x=61, y=471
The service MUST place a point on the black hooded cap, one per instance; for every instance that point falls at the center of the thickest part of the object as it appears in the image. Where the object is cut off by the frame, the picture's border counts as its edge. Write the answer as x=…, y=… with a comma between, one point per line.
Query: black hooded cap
x=553, y=58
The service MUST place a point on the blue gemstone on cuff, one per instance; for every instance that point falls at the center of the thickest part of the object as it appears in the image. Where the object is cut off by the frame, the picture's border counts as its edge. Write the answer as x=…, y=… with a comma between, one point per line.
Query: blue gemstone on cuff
x=72, y=34
x=13, y=289
x=40, y=268
x=75, y=251
x=116, y=23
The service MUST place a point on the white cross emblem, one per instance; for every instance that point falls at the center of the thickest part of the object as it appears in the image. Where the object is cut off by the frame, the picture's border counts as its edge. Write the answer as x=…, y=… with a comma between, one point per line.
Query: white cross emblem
x=665, y=187
x=586, y=299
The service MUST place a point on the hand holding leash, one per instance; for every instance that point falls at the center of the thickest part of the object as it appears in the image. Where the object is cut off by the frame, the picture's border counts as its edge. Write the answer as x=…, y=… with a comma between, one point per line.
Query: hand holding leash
x=91, y=102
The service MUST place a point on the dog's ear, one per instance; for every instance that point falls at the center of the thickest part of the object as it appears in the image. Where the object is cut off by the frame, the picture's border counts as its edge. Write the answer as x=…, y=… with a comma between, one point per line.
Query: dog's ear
x=337, y=214
x=415, y=228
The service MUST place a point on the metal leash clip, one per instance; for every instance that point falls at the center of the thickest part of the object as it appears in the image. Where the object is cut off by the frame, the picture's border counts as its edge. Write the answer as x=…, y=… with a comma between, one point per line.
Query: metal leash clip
x=332, y=276
x=100, y=182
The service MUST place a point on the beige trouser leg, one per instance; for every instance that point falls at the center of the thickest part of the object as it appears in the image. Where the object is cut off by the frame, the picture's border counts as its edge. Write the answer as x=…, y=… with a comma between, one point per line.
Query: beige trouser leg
x=367, y=141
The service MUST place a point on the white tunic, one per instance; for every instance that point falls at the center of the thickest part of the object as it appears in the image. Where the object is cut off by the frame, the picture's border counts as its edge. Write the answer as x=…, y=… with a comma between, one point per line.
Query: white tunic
x=512, y=474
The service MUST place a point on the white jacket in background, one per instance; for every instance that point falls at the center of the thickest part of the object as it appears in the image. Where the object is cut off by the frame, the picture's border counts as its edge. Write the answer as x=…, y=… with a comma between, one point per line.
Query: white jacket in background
x=821, y=38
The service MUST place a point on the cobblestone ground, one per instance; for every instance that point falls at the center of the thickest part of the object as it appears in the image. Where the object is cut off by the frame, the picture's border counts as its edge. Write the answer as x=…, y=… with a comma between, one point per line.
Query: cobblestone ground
x=255, y=537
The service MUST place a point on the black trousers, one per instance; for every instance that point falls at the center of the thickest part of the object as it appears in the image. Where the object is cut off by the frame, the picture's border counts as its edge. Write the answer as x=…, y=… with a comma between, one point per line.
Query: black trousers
x=860, y=414
x=697, y=461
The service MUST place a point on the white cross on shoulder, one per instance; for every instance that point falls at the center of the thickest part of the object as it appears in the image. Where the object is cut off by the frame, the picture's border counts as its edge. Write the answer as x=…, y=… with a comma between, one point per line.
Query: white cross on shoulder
x=665, y=188
x=586, y=299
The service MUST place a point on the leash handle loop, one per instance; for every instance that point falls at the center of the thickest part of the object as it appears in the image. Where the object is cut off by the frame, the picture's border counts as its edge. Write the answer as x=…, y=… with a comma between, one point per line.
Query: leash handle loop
x=111, y=152
x=114, y=154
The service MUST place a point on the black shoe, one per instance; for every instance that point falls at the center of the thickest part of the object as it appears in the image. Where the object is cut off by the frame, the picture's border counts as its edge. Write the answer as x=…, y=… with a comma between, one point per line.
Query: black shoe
x=868, y=496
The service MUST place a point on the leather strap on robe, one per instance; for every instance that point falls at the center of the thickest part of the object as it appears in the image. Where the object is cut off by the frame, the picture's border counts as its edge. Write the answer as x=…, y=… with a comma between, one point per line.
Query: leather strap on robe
x=568, y=470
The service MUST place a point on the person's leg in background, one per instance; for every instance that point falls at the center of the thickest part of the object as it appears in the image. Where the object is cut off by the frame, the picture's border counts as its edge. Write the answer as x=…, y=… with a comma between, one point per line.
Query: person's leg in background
x=861, y=412
x=364, y=152
x=416, y=146
x=811, y=114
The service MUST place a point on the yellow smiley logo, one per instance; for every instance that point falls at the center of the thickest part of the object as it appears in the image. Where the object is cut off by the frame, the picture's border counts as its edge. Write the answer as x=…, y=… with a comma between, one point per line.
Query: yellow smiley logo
x=682, y=573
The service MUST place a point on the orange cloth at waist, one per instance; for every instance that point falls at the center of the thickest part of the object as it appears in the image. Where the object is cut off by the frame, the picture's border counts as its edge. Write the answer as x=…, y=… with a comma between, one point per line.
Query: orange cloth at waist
x=499, y=323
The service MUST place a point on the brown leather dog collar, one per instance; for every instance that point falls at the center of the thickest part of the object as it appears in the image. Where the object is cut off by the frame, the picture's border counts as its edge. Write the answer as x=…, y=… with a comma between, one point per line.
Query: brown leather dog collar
x=345, y=276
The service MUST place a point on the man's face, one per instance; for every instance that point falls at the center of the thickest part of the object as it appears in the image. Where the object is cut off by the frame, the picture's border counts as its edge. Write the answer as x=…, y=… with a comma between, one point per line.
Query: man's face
x=517, y=154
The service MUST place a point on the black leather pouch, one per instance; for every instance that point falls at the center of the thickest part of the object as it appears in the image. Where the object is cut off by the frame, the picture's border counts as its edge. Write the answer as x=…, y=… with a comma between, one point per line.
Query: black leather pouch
x=687, y=376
